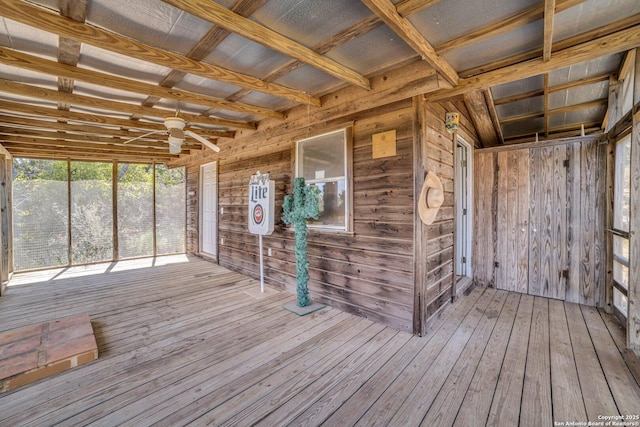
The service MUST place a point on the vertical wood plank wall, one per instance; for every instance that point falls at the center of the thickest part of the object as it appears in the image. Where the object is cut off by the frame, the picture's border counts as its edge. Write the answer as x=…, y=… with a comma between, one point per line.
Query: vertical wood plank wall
x=539, y=220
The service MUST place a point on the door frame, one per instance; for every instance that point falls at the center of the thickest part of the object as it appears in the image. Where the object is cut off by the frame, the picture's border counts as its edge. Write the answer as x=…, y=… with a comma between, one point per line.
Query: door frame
x=465, y=221
x=200, y=211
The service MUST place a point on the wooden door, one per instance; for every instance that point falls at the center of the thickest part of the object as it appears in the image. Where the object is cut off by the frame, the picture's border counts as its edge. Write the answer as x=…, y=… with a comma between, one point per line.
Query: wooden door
x=548, y=263
x=512, y=221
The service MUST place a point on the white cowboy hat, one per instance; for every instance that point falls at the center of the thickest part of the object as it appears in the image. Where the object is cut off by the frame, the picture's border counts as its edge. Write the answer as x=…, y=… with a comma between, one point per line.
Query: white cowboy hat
x=431, y=198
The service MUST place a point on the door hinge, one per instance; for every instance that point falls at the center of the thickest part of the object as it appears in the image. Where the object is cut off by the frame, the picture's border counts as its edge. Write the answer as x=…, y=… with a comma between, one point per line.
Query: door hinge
x=464, y=260
x=464, y=211
x=463, y=163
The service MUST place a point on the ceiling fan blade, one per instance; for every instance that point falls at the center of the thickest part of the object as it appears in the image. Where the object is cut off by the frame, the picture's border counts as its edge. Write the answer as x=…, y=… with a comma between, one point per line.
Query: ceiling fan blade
x=142, y=136
x=202, y=140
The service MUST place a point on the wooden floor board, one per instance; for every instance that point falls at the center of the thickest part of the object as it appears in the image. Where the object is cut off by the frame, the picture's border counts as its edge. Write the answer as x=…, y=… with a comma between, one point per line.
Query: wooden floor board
x=506, y=400
x=477, y=400
x=565, y=385
x=183, y=343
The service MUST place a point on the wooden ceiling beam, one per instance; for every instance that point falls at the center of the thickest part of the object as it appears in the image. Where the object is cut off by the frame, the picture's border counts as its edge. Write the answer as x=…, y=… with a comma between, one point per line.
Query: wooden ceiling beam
x=95, y=119
x=503, y=26
x=204, y=46
x=13, y=141
x=602, y=46
x=223, y=17
x=405, y=30
x=549, y=18
x=605, y=30
x=481, y=118
x=546, y=104
x=33, y=63
x=118, y=107
x=60, y=153
x=38, y=17
x=519, y=97
x=359, y=28
x=159, y=141
x=554, y=111
x=556, y=88
x=409, y=7
x=555, y=133
x=69, y=49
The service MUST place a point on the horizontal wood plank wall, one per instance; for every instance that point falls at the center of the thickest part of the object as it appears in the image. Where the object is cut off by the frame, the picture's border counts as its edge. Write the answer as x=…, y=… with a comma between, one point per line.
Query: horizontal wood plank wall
x=565, y=217
x=434, y=252
x=368, y=272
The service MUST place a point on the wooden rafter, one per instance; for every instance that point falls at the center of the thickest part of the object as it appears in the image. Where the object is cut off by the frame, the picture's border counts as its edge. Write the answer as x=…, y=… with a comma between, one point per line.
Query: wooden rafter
x=605, y=30
x=546, y=104
x=118, y=107
x=409, y=7
x=219, y=15
x=503, y=26
x=69, y=49
x=405, y=29
x=559, y=110
x=30, y=62
x=556, y=132
x=607, y=45
x=91, y=140
x=38, y=17
x=549, y=18
x=93, y=119
x=202, y=48
x=481, y=117
x=494, y=114
x=555, y=88
x=358, y=29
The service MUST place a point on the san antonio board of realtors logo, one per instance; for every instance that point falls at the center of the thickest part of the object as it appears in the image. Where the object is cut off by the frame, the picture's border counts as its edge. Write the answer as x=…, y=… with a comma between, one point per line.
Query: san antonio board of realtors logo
x=258, y=214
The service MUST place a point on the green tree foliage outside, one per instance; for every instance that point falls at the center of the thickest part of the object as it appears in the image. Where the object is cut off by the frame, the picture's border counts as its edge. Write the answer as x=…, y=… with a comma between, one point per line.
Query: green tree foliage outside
x=41, y=211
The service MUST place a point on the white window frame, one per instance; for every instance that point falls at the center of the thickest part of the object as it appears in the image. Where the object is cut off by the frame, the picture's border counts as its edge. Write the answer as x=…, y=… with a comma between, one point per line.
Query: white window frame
x=348, y=162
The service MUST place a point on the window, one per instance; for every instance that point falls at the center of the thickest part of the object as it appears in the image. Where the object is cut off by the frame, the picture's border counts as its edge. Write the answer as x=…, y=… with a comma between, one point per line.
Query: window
x=324, y=162
x=621, y=193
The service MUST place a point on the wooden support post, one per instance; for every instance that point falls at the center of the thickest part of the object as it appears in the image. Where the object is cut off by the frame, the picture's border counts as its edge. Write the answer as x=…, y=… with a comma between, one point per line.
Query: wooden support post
x=633, y=310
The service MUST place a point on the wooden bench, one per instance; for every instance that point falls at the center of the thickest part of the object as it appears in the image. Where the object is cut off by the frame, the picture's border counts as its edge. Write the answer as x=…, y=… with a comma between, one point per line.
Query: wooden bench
x=34, y=352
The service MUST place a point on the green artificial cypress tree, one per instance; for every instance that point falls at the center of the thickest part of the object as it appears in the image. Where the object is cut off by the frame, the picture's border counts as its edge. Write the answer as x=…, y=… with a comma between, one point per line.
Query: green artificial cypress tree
x=299, y=207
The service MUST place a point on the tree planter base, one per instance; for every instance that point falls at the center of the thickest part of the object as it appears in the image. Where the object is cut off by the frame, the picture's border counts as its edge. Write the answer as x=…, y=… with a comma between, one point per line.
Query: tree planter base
x=303, y=311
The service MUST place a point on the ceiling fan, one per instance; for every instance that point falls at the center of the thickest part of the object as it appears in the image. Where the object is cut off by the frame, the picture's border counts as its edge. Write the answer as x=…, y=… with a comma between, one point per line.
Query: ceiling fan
x=175, y=130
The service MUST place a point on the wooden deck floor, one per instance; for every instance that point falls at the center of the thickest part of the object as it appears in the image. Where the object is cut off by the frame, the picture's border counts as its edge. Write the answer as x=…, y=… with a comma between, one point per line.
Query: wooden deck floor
x=185, y=343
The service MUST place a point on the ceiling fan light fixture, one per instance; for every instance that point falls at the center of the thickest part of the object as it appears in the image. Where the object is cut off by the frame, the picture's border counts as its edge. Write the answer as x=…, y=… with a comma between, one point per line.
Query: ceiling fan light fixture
x=174, y=123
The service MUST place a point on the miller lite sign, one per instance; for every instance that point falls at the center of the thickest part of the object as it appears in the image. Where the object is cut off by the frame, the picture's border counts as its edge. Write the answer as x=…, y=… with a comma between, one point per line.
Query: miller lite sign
x=262, y=196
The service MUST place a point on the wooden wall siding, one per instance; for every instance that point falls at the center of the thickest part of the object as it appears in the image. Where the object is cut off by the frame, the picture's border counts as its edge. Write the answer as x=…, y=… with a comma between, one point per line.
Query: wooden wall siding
x=484, y=226
x=6, y=227
x=368, y=272
x=434, y=252
x=633, y=319
x=512, y=251
x=545, y=206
